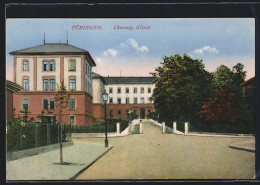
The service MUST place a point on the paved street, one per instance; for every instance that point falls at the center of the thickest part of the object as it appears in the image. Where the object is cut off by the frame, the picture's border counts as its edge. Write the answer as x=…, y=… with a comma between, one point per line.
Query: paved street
x=153, y=155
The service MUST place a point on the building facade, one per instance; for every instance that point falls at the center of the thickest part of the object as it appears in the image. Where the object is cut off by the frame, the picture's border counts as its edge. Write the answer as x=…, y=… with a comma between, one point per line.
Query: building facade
x=98, y=103
x=39, y=69
x=10, y=89
x=129, y=94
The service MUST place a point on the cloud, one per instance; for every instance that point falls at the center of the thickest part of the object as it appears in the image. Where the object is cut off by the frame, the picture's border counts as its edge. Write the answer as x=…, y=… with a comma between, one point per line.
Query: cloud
x=205, y=50
x=111, y=52
x=132, y=43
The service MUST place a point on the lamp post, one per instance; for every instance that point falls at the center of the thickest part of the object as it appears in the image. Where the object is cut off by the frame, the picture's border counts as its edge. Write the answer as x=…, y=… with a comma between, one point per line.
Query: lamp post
x=105, y=98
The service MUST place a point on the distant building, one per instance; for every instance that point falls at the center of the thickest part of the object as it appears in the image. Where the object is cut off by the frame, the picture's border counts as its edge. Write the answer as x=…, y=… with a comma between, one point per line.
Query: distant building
x=248, y=88
x=98, y=103
x=38, y=69
x=10, y=89
x=129, y=94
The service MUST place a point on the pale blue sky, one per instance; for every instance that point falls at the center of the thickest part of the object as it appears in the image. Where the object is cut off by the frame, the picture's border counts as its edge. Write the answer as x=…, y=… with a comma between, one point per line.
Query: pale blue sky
x=137, y=52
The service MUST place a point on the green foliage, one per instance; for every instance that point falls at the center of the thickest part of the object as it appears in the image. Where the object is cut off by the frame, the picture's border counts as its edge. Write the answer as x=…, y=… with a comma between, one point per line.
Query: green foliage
x=99, y=127
x=136, y=129
x=181, y=86
x=21, y=135
x=62, y=98
x=153, y=115
x=132, y=116
x=228, y=111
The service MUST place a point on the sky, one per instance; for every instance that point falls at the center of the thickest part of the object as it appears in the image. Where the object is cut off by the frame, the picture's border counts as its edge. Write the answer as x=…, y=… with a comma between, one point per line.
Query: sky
x=135, y=47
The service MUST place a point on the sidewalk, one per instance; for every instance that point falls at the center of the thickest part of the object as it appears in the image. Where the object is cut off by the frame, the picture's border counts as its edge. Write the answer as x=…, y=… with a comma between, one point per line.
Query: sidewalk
x=247, y=146
x=42, y=166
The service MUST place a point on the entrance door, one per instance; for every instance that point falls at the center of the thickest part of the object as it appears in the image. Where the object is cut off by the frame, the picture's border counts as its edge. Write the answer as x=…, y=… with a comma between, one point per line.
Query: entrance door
x=142, y=113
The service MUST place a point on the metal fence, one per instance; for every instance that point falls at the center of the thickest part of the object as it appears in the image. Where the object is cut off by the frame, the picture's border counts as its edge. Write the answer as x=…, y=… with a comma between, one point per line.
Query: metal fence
x=25, y=135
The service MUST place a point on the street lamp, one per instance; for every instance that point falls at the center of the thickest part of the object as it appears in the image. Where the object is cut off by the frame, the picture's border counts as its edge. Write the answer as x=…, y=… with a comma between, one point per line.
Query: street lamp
x=105, y=98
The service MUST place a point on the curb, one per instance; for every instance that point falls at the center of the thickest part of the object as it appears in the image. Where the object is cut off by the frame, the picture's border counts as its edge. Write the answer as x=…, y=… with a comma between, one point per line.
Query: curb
x=86, y=167
x=241, y=148
x=207, y=135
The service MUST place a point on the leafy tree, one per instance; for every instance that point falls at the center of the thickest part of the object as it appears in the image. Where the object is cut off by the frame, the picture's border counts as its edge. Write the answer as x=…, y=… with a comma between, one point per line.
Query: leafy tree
x=131, y=116
x=26, y=114
x=153, y=115
x=228, y=106
x=182, y=85
x=221, y=108
x=62, y=102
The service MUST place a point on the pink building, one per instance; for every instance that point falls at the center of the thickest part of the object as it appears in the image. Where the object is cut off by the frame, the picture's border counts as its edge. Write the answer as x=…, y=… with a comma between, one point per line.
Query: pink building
x=39, y=69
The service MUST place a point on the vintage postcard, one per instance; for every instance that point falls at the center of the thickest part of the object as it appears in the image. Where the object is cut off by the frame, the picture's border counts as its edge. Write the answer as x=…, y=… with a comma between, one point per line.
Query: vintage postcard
x=143, y=98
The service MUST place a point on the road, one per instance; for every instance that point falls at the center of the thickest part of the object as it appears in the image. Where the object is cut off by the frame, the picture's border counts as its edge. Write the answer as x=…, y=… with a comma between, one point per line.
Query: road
x=153, y=155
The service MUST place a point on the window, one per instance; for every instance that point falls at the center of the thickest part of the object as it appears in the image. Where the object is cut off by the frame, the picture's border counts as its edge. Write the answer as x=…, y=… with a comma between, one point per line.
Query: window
x=72, y=104
x=26, y=83
x=45, y=104
x=49, y=84
x=52, y=65
x=135, y=90
x=142, y=100
x=25, y=104
x=126, y=90
x=45, y=65
x=72, y=119
x=111, y=90
x=150, y=100
x=52, y=104
x=110, y=112
x=119, y=90
x=119, y=112
x=127, y=111
x=142, y=90
x=149, y=90
x=26, y=65
x=135, y=100
x=48, y=65
x=118, y=100
x=72, y=65
x=73, y=83
x=45, y=84
x=86, y=68
x=127, y=100
x=52, y=84
x=110, y=100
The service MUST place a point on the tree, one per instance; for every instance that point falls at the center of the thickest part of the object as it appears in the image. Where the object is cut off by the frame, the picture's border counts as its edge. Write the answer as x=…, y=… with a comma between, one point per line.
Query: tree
x=182, y=85
x=25, y=113
x=62, y=98
x=132, y=116
x=221, y=108
x=228, y=106
x=153, y=115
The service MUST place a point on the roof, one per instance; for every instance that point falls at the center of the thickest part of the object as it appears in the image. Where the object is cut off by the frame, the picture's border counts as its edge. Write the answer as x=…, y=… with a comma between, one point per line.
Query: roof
x=54, y=48
x=97, y=76
x=129, y=80
x=251, y=80
x=12, y=86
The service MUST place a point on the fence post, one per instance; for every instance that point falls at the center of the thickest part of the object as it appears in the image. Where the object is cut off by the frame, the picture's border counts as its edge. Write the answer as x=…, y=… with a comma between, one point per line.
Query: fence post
x=36, y=135
x=141, y=127
x=48, y=134
x=163, y=127
x=58, y=133
x=174, y=127
x=118, y=128
x=130, y=128
x=186, y=127
x=21, y=135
